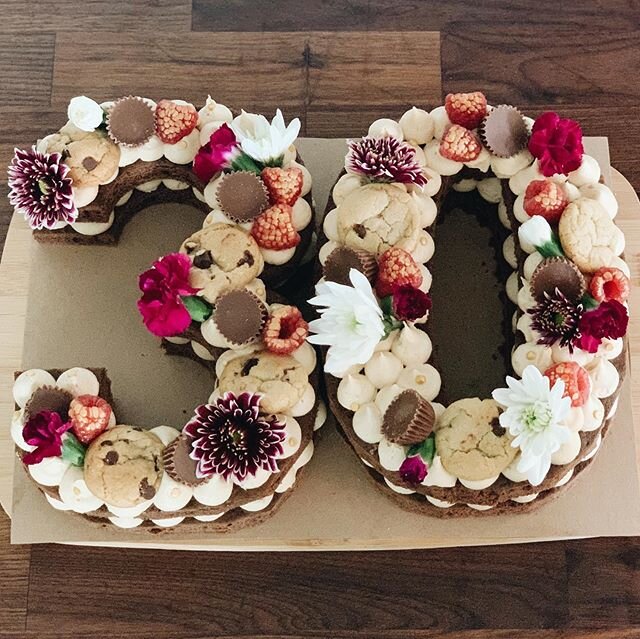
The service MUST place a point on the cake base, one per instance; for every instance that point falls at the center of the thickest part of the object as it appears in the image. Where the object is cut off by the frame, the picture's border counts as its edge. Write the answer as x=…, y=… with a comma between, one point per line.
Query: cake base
x=335, y=507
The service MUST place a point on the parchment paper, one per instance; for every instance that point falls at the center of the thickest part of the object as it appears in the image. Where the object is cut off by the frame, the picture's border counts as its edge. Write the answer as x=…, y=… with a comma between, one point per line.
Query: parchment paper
x=82, y=312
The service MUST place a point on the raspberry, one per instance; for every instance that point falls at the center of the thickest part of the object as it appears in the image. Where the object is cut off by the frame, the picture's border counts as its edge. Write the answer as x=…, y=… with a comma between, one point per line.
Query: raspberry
x=546, y=198
x=174, y=121
x=285, y=330
x=577, y=384
x=396, y=268
x=466, y=109
x=460, y=144
x=89, y=416
x=609, y=283
x=273, y=229
x=284, y=185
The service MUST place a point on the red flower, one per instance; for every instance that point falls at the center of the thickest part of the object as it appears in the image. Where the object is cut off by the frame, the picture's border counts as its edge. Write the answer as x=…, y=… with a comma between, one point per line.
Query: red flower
x=413, y=469
x=44, y=431
x=163, y=286
x=609, y=320
x=557, y=143
x=216, y=154
x=410, y=303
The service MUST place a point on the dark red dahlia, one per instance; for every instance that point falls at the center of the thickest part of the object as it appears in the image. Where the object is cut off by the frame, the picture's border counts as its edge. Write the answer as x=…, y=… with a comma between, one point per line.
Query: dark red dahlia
x=232, y=439
x=410, y=303
x=40, y=188
x=385, y=160
x=609, y=320
x=413, y=469
x=557, y=319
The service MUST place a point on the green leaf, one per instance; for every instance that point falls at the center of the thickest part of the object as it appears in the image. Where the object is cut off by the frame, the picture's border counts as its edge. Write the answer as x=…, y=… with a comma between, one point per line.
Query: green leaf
x=426, y=449
x=199, y=309
x=72, y=450
x=552, y=248
x=589, y=302
x=279, y=161
x=386, y=304
x=246, y=163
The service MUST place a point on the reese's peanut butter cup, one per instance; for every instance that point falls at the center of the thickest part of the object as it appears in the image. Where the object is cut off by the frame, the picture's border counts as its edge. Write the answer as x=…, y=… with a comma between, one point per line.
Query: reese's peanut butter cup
x=409, y=419
x=342, y=259
x=177, y=463
x=49, y=398
x=560, y=273
x=131, y=121
x=504, y=131
x=240, y=316
x=242, y=196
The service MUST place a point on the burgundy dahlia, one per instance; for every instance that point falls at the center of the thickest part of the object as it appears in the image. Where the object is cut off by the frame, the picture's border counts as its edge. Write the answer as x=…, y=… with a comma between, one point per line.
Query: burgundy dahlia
x=231, y=439
x=385, y=160
x=410, y=303
x=609, y=320
x=40, y=188
x=557, y=319
x=413, y=469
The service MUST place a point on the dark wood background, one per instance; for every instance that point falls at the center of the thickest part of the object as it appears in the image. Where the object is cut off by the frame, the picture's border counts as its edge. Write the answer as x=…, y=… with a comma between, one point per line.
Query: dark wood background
x=338, y=65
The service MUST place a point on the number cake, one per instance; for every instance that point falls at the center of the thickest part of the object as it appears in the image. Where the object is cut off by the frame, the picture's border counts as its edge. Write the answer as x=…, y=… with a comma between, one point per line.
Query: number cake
x=236, y=459
x=432, y=443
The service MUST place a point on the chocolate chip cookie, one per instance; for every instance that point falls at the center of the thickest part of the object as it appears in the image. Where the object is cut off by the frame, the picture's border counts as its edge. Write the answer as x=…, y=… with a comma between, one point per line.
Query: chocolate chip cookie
x=123, y=466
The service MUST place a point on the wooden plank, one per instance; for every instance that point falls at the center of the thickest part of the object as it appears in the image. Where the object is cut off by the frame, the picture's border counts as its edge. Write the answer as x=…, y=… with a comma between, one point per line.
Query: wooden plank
x=376, y=69
x=252, y=71
x=528, y=66
x=14, y=583
x=361, y=15
x=290, y=593
x=95, y=15
x=604, y=583
x=26, y=68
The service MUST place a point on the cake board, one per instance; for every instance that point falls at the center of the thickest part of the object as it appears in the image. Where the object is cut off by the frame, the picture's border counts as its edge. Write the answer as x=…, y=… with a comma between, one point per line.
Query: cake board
x=335, y=507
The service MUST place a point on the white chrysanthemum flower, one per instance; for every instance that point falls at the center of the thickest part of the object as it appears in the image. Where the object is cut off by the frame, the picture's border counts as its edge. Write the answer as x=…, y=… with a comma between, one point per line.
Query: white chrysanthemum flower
x=534, y=415
x=264, y=141
x=351, y=323
x=85, y=113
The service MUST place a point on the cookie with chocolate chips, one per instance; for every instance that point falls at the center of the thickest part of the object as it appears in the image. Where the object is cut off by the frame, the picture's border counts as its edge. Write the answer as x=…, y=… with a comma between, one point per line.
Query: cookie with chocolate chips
x=224, y=258
x=123, y=466
x=280, y=379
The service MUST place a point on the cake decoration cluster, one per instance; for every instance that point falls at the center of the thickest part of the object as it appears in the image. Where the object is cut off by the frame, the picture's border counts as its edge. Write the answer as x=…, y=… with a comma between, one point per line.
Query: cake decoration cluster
x=569, y=287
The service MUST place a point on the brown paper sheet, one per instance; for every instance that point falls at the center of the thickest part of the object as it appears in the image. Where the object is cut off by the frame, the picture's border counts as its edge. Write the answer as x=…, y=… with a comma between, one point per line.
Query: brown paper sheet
x=334, y=506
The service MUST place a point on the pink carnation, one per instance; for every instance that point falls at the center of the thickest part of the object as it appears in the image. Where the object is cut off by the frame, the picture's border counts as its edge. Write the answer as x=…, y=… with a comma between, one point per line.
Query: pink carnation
x=217, y=154
x=557, y=143
x=163, y=286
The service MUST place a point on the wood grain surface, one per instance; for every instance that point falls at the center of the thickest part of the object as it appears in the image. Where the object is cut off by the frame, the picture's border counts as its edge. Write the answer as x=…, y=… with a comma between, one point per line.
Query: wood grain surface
x=338, y=64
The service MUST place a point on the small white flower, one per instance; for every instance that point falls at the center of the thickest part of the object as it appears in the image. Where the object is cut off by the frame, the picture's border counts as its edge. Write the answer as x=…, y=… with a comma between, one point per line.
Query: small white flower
x=264, y=141
x=85, y=113
x=351, y=323
x=535, y=232
x=534, y=417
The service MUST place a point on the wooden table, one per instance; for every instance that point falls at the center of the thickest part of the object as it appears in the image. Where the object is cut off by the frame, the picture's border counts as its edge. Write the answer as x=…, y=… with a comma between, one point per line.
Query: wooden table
x=337, y=65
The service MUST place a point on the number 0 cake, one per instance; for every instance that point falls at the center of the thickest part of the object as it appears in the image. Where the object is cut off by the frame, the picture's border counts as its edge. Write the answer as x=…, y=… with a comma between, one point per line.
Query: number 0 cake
x=435, y=444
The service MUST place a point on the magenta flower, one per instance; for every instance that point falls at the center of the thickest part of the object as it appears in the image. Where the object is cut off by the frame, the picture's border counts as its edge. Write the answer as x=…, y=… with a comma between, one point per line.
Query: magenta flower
x=40, y=188
x=44, y=431
x=557, y=143
x=163, y=285
x=413, y=469
x=385, y=160
x=231, y=439
x=217, y=154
